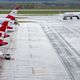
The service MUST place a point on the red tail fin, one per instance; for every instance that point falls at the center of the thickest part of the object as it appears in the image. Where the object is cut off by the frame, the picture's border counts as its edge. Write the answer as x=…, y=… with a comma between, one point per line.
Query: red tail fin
x=2, y=43
x=11, y=17
x=4, y=26
x=5, y=23
x=17, y=7
x=8, y=27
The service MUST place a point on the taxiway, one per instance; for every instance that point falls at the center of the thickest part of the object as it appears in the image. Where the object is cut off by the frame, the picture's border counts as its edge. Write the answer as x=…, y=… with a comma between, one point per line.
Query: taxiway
x=43, y=48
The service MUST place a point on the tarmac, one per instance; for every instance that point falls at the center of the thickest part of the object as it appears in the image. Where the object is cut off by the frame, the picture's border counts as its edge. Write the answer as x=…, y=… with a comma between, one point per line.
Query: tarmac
x=43, y=48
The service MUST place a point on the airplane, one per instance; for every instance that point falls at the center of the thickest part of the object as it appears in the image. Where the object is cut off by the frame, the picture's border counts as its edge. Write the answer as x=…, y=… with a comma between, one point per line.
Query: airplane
x=12, y=19
x=70, y=15
x=3, y=35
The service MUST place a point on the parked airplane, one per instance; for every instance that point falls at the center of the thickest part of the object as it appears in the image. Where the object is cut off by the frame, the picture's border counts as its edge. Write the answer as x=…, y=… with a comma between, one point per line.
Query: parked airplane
x=70, y=15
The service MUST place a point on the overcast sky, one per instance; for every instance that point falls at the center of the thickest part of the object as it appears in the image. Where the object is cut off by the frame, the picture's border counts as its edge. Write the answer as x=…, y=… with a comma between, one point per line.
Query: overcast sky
x=61, y=1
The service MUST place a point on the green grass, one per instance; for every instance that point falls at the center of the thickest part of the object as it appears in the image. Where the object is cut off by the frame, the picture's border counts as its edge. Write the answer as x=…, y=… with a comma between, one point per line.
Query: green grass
x=37, y=12
x=31, y=12
x=4, y=12
x=40, y=11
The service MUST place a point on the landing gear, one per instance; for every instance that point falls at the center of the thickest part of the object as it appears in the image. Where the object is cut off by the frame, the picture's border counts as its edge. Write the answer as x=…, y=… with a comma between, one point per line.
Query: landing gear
x=7, y=56
x=77, y=17
x=70, y=17
x=64, y=18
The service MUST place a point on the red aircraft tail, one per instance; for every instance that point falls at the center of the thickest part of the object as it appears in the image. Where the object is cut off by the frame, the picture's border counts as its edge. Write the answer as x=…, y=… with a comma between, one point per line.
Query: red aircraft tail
x=4, y=26
x=2, y=43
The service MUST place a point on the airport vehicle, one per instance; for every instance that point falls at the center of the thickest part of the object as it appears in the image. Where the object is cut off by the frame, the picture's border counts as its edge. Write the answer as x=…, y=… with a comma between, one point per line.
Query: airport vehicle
x=3, y=35
x=70, y=15
x=7, y=56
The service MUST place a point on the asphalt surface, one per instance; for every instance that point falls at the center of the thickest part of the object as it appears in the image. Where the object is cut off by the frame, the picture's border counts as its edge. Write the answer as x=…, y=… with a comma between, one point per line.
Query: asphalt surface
x=43, y=48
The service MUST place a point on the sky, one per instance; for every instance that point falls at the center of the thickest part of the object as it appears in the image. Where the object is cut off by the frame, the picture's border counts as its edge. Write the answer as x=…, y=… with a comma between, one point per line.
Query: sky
x=61, y=1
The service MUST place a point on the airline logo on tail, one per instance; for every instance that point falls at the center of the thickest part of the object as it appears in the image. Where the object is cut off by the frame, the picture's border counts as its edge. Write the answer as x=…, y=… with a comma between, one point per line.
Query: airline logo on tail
x=4, y=26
